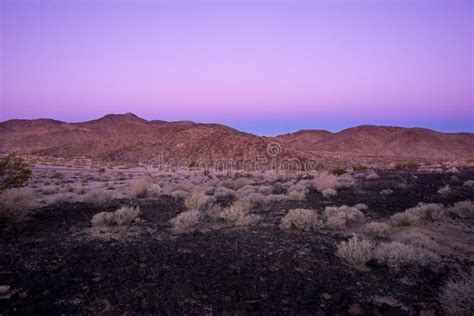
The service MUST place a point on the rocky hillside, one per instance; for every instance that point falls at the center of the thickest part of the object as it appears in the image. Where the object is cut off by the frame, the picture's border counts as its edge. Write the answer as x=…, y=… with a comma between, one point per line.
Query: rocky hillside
x=126, y=137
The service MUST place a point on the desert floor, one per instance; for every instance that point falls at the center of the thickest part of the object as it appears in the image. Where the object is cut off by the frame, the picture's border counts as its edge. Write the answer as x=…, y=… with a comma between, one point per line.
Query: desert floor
x=55, y=261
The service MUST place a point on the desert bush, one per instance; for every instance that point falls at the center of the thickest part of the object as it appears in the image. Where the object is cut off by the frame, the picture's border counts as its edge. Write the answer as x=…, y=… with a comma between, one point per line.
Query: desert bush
x=14, y=172
x=452, y=170
x=256, y=199
x=186, y=220
x=198, y=200
x=359, y=168
x=372, y=176
x=444, y=190
x=139, y=189
x=223, y=192
x=463, y=209
x=236, y=184
x=103, y=219
x=338, y=217
x=239, y=213
x=275, y=198
x=396, y=255
x=126, y=215
x=123, y=216
x=100, y=198
x=356, y=251
x=469, y=183
x=423, y=211
x=328, y=193
x=302, y=219
x=361, y=206
x=457, y=295
x=14, y=206
x=419, y=240
x=327, y=183
x=377, y=229
x=180, y=194
x=386, y=192
x=298, y=191
x=338, y=171
x=407, y=165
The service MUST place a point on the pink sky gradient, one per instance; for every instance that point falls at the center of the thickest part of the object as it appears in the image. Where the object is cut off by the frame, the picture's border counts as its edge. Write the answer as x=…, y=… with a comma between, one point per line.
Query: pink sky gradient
x=262, y=66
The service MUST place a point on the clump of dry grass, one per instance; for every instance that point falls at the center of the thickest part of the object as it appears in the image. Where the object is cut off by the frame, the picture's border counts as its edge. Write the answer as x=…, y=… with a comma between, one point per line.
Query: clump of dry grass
x=463, y=209
x=239, y=213
x=139, y=189
x=372, y=176
x=469, y=183
x=423, y=211
x=356, y=251
x=386, y=192
x=302, y=219
x=123, y=216
x=377, y=229
x=396, y=255
x=338, y=217
x=444, y=190
x=327, y=183
x=186, y=220
x=198, y=200
x=457, y=295
x=14, y=206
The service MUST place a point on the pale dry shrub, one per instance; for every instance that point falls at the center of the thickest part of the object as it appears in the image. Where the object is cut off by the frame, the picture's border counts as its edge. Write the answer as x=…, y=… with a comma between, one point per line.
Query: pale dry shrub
x=237, y=183
x=377, y=229
x=356, y=251
x=297, y=192
x=14, y=206
x=419, y=240
x=469, y=183
x=223, y=192
x=463, y=209
x=302, y=219
x=325, y=181
x=198, y=200
x=247, y=190
x=275, y=198
x=328, y=193
x=139, y=189
x=103, y=219
x=338, y=217
x=180, y=194
x=404, y=219
x=452, y=170
x=126, y=215
x=423, y=211
x=256, y=199
x=372, y=176
x=444, y=190
x=186, y=220
x=100, y=198
x=265, y=189
x=361, y=206
x=386, y=191
x=457, y=295
x=396, y=255
x=123, y=216
x=239, y=213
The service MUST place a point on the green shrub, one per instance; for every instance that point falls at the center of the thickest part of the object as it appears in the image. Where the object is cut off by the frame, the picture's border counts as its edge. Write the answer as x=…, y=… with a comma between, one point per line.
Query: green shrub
x=14, y=172
x=338, y=171
x=407, y=165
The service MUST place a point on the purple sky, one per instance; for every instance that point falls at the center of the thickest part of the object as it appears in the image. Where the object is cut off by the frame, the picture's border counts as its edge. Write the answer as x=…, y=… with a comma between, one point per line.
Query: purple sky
x=266, y=66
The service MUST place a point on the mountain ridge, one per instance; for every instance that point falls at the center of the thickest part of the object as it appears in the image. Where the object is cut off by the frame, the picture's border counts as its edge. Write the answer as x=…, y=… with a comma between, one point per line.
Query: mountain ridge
x=127, y=137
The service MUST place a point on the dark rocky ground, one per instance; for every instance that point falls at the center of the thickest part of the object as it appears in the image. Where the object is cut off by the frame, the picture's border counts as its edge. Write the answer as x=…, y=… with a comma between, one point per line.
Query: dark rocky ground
x=53, y=267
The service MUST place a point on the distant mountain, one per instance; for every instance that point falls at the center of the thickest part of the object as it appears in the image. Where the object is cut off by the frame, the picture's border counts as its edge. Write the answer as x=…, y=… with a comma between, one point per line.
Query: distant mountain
x=127, y=137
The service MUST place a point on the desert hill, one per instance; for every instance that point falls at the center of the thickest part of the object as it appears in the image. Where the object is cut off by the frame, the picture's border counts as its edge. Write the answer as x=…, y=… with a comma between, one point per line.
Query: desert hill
x=127, y=137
